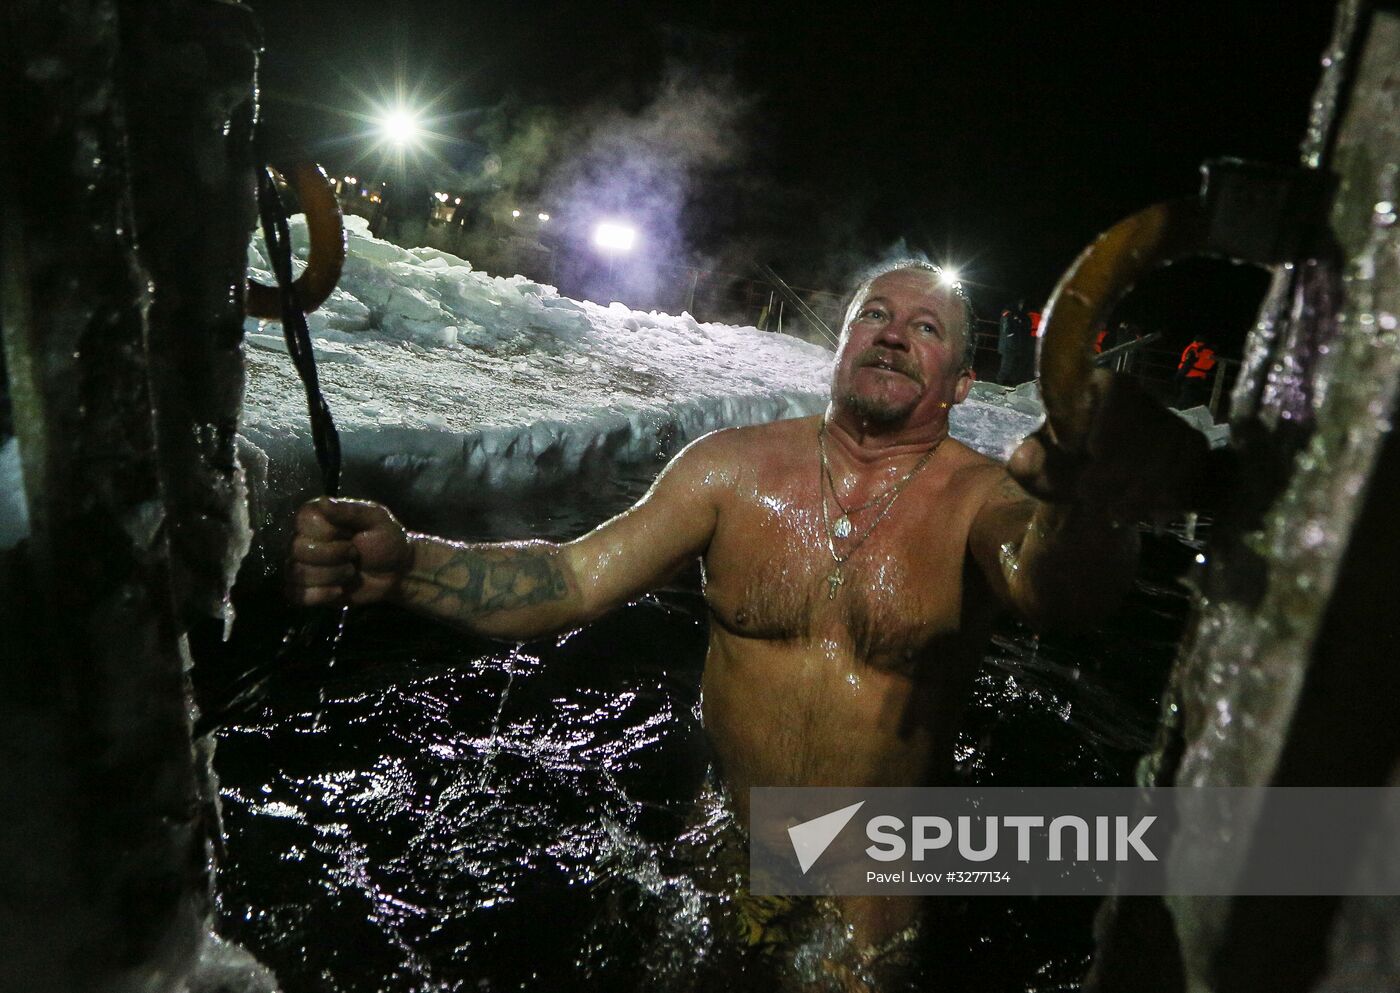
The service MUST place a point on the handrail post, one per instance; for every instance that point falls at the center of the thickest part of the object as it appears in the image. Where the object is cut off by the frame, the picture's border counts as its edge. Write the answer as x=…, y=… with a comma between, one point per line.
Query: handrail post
x=1217, y=388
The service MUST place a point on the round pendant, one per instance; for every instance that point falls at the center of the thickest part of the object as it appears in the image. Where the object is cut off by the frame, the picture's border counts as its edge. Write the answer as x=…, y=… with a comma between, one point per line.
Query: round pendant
x=843, y=527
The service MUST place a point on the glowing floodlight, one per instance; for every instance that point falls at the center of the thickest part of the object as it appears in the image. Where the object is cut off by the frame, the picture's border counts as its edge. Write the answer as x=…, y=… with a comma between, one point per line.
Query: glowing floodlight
x=400, y=128
x=612, y=236
x=515, y=213
x=949, y=276
x=457, y=201
x=543, y=217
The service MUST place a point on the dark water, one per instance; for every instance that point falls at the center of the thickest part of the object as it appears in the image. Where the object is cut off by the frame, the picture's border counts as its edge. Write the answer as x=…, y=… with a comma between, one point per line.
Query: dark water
x=436, y=812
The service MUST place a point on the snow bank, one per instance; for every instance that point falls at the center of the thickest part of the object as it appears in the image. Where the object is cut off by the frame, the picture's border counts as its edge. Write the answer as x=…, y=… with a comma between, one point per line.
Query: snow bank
x=995, y=419
x=453, y=389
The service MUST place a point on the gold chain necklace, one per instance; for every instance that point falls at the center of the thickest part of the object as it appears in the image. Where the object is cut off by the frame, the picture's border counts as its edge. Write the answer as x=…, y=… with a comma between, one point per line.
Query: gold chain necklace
x=834, y=581
x=843, y=526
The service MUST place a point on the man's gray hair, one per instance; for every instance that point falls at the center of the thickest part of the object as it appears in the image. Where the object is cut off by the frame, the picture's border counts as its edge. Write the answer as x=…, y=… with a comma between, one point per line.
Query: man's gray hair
x=969, y=351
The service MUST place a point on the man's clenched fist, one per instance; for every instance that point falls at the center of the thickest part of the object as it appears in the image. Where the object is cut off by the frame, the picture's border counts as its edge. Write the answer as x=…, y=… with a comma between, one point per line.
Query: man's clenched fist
x=346, y=551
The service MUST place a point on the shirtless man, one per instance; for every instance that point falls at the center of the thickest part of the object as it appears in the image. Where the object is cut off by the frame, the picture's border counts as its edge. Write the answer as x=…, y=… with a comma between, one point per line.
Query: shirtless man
x=852, y=562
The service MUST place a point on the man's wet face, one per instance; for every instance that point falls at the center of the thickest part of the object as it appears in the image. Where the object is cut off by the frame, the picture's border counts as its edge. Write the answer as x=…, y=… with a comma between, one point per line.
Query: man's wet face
x=902, y=351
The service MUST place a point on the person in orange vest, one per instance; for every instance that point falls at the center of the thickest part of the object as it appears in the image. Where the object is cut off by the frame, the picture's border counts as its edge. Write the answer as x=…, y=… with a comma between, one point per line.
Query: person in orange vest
x=1193, y=374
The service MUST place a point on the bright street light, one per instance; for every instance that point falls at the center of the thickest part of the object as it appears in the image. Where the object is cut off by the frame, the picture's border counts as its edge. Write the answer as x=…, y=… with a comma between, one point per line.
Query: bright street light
x=612, y=236
x=544, y=217
x=400, y=127
x=949, y=276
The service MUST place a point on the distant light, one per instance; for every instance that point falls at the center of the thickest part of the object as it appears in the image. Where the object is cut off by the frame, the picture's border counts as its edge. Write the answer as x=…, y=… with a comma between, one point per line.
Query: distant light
x=949, y=276
x=457, y=201
x=349, y=179
x=441, y=197
x=515, y=213
x=544, y=217
x=400, y=127
x=614, y=237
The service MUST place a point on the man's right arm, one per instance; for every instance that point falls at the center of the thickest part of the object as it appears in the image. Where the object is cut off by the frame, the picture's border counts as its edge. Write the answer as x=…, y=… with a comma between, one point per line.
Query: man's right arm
x=512, y=590
x=356, y=552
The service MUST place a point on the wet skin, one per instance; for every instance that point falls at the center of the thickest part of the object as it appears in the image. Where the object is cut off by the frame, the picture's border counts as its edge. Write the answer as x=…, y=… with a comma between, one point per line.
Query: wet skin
x=803, y=688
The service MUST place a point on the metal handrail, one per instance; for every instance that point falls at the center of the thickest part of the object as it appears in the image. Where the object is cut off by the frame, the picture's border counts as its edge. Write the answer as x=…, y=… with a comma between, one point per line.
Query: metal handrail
x=1104, y=358
x=791, y=296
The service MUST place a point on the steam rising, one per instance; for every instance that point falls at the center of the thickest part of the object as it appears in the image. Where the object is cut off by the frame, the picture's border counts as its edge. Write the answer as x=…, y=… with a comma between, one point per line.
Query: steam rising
x=680, y=168
x=645, y=166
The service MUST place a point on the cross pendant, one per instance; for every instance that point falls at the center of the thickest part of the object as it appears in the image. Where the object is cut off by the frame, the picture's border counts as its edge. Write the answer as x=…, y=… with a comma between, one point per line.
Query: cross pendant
x=832, y=582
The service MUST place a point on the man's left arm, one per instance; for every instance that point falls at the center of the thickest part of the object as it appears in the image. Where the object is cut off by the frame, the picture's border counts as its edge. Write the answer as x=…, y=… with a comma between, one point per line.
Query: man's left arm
x=1055, y=566
x=1056, y=534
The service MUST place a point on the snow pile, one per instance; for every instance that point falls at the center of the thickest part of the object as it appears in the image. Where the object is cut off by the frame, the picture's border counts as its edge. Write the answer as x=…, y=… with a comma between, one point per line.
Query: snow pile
x=994, y=419
x=454, y=388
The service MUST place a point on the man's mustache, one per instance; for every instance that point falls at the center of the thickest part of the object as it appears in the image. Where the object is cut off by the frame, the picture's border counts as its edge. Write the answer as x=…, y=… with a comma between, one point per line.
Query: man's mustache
x=882, y=359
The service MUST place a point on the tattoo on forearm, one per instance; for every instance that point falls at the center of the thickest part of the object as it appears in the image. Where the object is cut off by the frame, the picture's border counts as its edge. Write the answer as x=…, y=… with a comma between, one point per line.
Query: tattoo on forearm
x=478, y=581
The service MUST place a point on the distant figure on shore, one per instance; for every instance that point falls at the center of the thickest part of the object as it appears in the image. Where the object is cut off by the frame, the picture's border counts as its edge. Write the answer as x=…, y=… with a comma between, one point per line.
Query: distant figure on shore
x=1016, y=345
x=1193, y=382
x=404, y=210
x=469, y=224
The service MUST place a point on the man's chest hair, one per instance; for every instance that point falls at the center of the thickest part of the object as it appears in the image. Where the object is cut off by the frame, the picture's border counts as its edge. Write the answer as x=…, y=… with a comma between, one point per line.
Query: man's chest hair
x=885, y=612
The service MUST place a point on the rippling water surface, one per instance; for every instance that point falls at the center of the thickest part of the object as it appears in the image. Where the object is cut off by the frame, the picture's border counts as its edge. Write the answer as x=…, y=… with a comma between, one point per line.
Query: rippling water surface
x=436, y=812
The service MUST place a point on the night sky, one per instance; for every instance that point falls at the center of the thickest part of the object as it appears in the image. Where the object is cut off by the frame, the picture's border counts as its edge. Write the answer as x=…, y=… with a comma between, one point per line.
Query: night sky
x=1001, y=136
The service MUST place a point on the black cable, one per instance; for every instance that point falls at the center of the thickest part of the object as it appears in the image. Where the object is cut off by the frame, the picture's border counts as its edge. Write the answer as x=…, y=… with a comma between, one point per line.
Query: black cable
x=250, y=687
x=294, y=330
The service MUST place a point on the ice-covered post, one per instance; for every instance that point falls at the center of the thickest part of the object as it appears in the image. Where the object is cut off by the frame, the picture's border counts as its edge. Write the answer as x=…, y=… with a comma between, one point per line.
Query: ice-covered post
x=126, y=164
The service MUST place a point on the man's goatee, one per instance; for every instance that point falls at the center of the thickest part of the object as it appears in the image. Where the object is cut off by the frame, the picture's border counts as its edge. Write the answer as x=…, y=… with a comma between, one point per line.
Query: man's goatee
x=874, y=410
